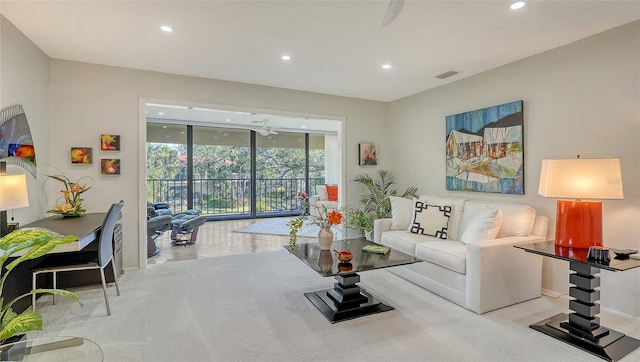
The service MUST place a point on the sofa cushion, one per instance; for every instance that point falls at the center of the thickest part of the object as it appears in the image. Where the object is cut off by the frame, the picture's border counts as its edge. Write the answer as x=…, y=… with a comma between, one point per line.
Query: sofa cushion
x=403, y=241
x=321, y=191
x=481, y=224
x=517, y=219
x=432, y=220
x=332, y=192
x=401, y=210
x=458, y=204
x=446, y=253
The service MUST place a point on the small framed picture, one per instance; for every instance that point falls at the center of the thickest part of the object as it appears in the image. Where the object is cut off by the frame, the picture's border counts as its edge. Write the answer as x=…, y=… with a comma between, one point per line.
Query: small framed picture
x=367, y=154
x=110, y=142
x=110, y=166
x=81, y=155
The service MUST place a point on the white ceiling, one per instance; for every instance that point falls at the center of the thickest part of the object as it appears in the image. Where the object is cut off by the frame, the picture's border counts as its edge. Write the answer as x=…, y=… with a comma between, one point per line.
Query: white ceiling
x=336, y=46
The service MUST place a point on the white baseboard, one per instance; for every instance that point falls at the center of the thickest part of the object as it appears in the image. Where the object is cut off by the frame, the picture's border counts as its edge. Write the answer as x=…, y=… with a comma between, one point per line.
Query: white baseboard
x=551, y=293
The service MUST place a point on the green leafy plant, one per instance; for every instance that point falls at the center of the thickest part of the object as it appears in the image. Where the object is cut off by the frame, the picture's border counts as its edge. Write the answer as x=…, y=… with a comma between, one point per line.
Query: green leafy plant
x=375, y=204
x=35, y=242
x=357, y=219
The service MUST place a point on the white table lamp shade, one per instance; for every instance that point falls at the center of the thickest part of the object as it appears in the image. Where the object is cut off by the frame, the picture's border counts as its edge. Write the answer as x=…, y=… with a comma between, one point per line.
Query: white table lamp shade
x=581, y=178
x=13, y=192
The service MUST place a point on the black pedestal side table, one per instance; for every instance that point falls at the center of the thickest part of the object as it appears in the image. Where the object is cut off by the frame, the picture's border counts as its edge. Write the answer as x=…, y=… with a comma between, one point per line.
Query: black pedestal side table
x=347, y=300
x=582, y=328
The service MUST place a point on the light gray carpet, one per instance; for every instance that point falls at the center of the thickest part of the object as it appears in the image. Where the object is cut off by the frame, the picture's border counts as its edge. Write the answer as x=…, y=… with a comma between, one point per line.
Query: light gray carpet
x=251, y=307
x=278, y=226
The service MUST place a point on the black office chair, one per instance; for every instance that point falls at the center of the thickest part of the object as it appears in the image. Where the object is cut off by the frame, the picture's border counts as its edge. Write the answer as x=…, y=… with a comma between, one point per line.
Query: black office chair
x=105, y=256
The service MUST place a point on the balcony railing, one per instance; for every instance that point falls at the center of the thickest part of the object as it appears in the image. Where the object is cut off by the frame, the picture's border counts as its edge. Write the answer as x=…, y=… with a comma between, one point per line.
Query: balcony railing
x=232, y=197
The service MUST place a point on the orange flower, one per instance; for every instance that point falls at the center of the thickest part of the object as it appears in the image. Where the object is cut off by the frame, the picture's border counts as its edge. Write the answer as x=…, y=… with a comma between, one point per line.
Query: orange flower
x=335, y=218
x=303, y=195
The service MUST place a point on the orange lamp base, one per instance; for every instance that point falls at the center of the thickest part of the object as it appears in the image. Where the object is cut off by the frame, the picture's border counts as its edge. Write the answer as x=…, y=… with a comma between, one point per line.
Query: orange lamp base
x=578, y=224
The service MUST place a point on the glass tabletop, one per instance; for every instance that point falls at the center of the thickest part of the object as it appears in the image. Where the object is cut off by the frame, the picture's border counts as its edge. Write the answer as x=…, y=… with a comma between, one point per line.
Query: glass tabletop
x=52, y=349
x=548, y=248
x=326, y=263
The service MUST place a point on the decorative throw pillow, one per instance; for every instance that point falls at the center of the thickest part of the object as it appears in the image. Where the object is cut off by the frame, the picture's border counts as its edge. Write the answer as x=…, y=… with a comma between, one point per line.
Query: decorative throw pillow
x=484, y=225
x=332, y=192
x=401, y=209
x=321, y=191
x=431, y=220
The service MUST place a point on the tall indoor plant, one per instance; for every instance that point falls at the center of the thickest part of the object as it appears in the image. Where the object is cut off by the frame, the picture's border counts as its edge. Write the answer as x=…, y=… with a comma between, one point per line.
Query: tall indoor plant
x=375, y=203
x=33, y=243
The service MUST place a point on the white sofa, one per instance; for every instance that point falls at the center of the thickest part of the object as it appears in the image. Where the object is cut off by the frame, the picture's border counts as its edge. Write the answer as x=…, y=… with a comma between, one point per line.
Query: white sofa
x=475, y=265
x=320, y=200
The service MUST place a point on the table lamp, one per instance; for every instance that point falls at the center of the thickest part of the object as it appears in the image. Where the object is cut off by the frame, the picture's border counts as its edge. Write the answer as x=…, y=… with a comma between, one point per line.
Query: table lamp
x=579, y=222
x=13, y=195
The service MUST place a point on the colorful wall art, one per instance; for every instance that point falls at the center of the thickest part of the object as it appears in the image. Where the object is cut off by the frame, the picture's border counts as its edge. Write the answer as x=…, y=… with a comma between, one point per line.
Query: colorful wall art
x=110, y=166
x=485, y=150
x=16, y=143
x=110, y=142
x=368, y=155
x=81, y=155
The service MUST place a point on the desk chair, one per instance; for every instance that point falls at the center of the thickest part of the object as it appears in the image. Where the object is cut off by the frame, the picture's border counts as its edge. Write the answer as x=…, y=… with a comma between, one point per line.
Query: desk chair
x=105, y=256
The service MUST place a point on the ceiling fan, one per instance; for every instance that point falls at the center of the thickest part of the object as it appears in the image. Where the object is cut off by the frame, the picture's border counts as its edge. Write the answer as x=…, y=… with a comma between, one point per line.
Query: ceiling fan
x=265, y=130
x=393, y=10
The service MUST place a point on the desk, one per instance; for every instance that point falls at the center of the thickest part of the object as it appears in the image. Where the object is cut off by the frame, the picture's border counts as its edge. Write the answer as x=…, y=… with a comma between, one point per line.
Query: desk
x=582, y=328
x=87, y=229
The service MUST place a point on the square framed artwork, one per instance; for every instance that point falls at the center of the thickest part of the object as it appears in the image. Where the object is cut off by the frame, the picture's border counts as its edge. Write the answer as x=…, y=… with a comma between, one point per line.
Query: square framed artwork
x=485, y=150
x=81, y=155
x=109, y=142
x=110, y=166
x=367, y=155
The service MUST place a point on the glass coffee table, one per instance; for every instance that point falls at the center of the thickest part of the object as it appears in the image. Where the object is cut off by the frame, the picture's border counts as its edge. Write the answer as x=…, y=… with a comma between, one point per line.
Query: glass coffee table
x=347, y=300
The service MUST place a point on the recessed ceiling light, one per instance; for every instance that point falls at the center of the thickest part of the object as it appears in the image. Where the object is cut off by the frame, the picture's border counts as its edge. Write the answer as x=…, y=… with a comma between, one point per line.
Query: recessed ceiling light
x=285, y=57
x=228, y=120
x=161, y=113
x=517, y=5
x=166, y=28
x=386, y=66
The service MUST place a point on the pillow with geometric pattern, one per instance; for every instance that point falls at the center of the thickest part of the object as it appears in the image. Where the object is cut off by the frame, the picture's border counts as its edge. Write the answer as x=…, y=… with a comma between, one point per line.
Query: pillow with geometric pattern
x=432, y=220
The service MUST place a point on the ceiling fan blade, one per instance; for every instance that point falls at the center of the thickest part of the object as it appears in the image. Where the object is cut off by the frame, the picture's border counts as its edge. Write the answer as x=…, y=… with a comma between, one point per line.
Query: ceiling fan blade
x=393, y=10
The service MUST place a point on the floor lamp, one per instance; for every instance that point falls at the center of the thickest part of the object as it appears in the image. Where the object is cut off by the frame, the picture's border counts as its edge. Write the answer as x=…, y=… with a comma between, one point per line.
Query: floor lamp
x=579, y=222
x=13, y=195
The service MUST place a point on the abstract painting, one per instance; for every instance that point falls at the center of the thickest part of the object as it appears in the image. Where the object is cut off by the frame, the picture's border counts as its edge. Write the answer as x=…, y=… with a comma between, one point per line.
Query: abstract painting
x=16, y=143
x=110, y=142
x=110, y=166
x=81, y=155
x=367, y=154
x=485, y=150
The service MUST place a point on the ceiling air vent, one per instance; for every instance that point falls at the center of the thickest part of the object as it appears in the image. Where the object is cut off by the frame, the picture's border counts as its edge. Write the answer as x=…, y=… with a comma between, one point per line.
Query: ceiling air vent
x=446, y=74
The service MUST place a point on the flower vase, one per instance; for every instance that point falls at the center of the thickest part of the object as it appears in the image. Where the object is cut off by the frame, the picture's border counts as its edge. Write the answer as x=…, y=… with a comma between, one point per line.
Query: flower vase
x=325, y=238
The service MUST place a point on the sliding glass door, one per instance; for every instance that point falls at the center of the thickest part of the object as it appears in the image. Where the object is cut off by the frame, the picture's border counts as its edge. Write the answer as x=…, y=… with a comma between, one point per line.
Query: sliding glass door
x=231, y=173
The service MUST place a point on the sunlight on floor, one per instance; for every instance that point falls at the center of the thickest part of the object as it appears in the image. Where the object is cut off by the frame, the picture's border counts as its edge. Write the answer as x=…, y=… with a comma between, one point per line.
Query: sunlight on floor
x=216, y=238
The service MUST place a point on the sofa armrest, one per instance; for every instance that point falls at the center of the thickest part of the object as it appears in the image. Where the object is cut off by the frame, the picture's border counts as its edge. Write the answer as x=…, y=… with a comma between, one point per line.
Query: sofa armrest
x=499, y=275
x=380, y=226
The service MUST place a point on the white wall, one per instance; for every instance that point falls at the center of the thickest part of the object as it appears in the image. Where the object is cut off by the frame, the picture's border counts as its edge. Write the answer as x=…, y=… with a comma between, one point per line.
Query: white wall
x=580, y=99
x=89, y=99
x=24, y=80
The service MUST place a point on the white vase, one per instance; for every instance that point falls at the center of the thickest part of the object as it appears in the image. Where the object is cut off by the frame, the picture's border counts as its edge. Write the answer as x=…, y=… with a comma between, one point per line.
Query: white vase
x=325, y=238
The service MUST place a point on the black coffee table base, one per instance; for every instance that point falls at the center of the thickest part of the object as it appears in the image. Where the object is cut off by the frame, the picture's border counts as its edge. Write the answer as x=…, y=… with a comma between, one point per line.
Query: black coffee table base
x=346, y=300
x=611, y=347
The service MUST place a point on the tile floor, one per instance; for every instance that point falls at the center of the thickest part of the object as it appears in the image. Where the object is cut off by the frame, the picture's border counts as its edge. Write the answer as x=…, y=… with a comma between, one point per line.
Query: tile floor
x=216, y=238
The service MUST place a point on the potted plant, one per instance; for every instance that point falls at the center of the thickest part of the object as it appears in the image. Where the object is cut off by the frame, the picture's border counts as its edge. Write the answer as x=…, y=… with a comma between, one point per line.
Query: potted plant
x=34, y=242
x=71, y=204
x=357, y=219
x=375, y=204
x=325, y=219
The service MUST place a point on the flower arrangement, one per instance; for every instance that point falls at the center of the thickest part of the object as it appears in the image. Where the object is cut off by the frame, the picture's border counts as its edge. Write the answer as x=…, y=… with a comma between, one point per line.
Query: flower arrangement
x=325, y=220
x=72, y=203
